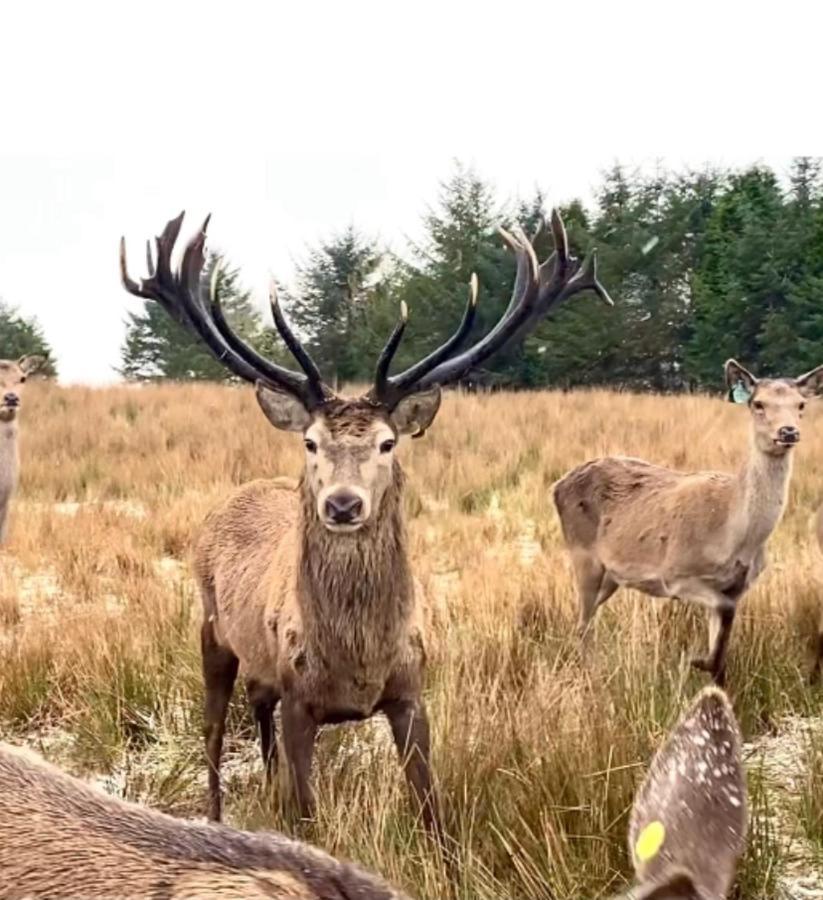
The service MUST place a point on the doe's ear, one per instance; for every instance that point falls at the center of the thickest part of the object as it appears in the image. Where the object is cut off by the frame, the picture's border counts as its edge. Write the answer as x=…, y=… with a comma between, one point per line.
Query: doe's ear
x=740, y=381
x=30, y=364
x=810, y=384
x=414, y=414
x=284, y=411
x=677, y=886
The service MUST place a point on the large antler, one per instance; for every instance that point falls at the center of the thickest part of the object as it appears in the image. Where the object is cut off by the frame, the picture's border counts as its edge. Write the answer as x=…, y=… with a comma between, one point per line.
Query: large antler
x=537, y=290
x=180, y=295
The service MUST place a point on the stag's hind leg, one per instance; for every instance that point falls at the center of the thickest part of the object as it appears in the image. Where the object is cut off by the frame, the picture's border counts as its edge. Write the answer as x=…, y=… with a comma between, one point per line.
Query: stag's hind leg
x=263, y=700
x=219, y=674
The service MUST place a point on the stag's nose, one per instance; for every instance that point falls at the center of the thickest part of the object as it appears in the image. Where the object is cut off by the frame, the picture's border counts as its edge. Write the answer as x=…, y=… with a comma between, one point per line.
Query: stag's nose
x=788, y=434
x=343, y=508
x=11, y=399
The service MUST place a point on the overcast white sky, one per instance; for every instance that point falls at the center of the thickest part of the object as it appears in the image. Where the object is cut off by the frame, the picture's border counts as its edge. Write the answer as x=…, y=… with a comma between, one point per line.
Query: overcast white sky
x=289, y=121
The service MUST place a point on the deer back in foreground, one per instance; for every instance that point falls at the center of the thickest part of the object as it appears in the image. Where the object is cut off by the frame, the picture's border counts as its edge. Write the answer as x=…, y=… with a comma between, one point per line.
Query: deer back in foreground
x=60, y=838
x=309, y=593
x=697, y=536
x=12, y=377
x=688, y=824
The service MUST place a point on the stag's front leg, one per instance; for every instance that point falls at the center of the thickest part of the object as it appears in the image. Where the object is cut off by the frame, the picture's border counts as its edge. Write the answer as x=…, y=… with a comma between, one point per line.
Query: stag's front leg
x=410, y=728
x=299, y=732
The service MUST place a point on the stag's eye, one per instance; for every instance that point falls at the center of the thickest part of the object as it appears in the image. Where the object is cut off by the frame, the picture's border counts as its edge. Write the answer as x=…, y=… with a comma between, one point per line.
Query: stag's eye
x=311, y=446
x=757, y=404
x=802, y=407
x=22, y=378
x=387, y=446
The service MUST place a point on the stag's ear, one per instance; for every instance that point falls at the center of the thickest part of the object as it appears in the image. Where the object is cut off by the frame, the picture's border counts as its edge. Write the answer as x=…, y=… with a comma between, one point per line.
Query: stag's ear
x=810, y=384
x=677, y=886
x=284, y=411
x=30, y=364
x=414, y=414
x=740, y=381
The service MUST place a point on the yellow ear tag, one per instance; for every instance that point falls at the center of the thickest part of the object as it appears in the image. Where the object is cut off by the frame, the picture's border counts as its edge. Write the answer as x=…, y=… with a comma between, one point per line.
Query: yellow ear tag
x=649, y=841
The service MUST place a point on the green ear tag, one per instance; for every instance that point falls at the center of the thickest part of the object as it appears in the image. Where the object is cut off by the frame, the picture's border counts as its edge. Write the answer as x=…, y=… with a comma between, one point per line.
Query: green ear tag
x=740, y=393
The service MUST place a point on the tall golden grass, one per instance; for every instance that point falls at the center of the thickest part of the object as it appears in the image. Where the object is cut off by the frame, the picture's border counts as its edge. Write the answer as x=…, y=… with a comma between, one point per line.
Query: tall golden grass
x=537, y=757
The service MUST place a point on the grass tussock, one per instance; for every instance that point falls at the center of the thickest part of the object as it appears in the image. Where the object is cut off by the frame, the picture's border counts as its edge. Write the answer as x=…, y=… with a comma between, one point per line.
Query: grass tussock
x=537, y=757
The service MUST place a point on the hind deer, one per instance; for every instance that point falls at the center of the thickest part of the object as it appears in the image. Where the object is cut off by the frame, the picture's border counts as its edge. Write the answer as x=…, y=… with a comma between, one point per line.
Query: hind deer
x=60, y=838
x=697, y=536
x=12, y=377
x=309, y=592
x=688, y=823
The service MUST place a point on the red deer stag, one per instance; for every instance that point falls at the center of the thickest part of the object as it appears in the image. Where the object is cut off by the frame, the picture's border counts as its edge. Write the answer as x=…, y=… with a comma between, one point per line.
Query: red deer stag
x=697, y=536
x=309, y=592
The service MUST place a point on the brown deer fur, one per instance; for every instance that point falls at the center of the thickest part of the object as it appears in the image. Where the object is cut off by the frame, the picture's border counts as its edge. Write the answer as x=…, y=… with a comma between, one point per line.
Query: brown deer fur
x=328, y=624
x=697, y=536
x=817, y=669
x=695, y=789
x=60, y=838
x=12, y=377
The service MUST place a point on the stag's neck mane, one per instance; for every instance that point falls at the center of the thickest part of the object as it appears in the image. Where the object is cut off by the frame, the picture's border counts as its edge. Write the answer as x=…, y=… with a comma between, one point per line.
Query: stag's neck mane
x=356, y=590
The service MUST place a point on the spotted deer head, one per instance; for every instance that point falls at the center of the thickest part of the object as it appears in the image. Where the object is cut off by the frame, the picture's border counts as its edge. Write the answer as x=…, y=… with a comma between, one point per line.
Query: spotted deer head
x=688, y=823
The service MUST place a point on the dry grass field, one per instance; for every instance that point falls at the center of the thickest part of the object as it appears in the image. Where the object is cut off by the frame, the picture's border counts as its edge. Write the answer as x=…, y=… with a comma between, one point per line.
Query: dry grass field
x=537, y=757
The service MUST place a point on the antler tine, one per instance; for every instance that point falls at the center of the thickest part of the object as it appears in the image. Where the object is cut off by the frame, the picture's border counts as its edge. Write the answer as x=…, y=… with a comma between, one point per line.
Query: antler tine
x=520, y=306
x=180, y=295
x=297, y=350
x=382, y=385
x=585, y=279
x=537, y=288
x=414, y=373
x=126, y=280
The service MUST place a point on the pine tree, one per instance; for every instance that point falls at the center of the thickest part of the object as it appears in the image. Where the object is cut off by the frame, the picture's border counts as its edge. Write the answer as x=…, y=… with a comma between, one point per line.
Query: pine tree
x=20, y=336
x=336, y=288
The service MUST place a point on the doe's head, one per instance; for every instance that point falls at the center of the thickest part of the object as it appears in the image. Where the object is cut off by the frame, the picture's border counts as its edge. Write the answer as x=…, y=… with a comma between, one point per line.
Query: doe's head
x=13, y=375
x=776, y=404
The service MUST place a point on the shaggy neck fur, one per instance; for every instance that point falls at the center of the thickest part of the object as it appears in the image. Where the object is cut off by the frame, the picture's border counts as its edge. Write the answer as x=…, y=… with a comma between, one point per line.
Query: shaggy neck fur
x=356, y=590
x=763, y=487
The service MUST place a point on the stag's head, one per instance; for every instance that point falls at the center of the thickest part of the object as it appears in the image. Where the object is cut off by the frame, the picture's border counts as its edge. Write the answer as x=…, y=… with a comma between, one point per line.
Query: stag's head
x=13, y=375
x=776, y=404
x=350, y=443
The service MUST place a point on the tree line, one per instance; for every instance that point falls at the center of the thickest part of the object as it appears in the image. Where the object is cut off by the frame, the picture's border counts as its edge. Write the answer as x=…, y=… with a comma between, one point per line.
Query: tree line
x=702, y=265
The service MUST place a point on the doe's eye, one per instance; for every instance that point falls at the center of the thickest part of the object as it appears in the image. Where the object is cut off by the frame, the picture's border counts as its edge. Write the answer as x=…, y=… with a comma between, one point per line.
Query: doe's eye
x=22, y=378
x=802, y=407
x=311, y=446
x=387, y=446
x=758, y=405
